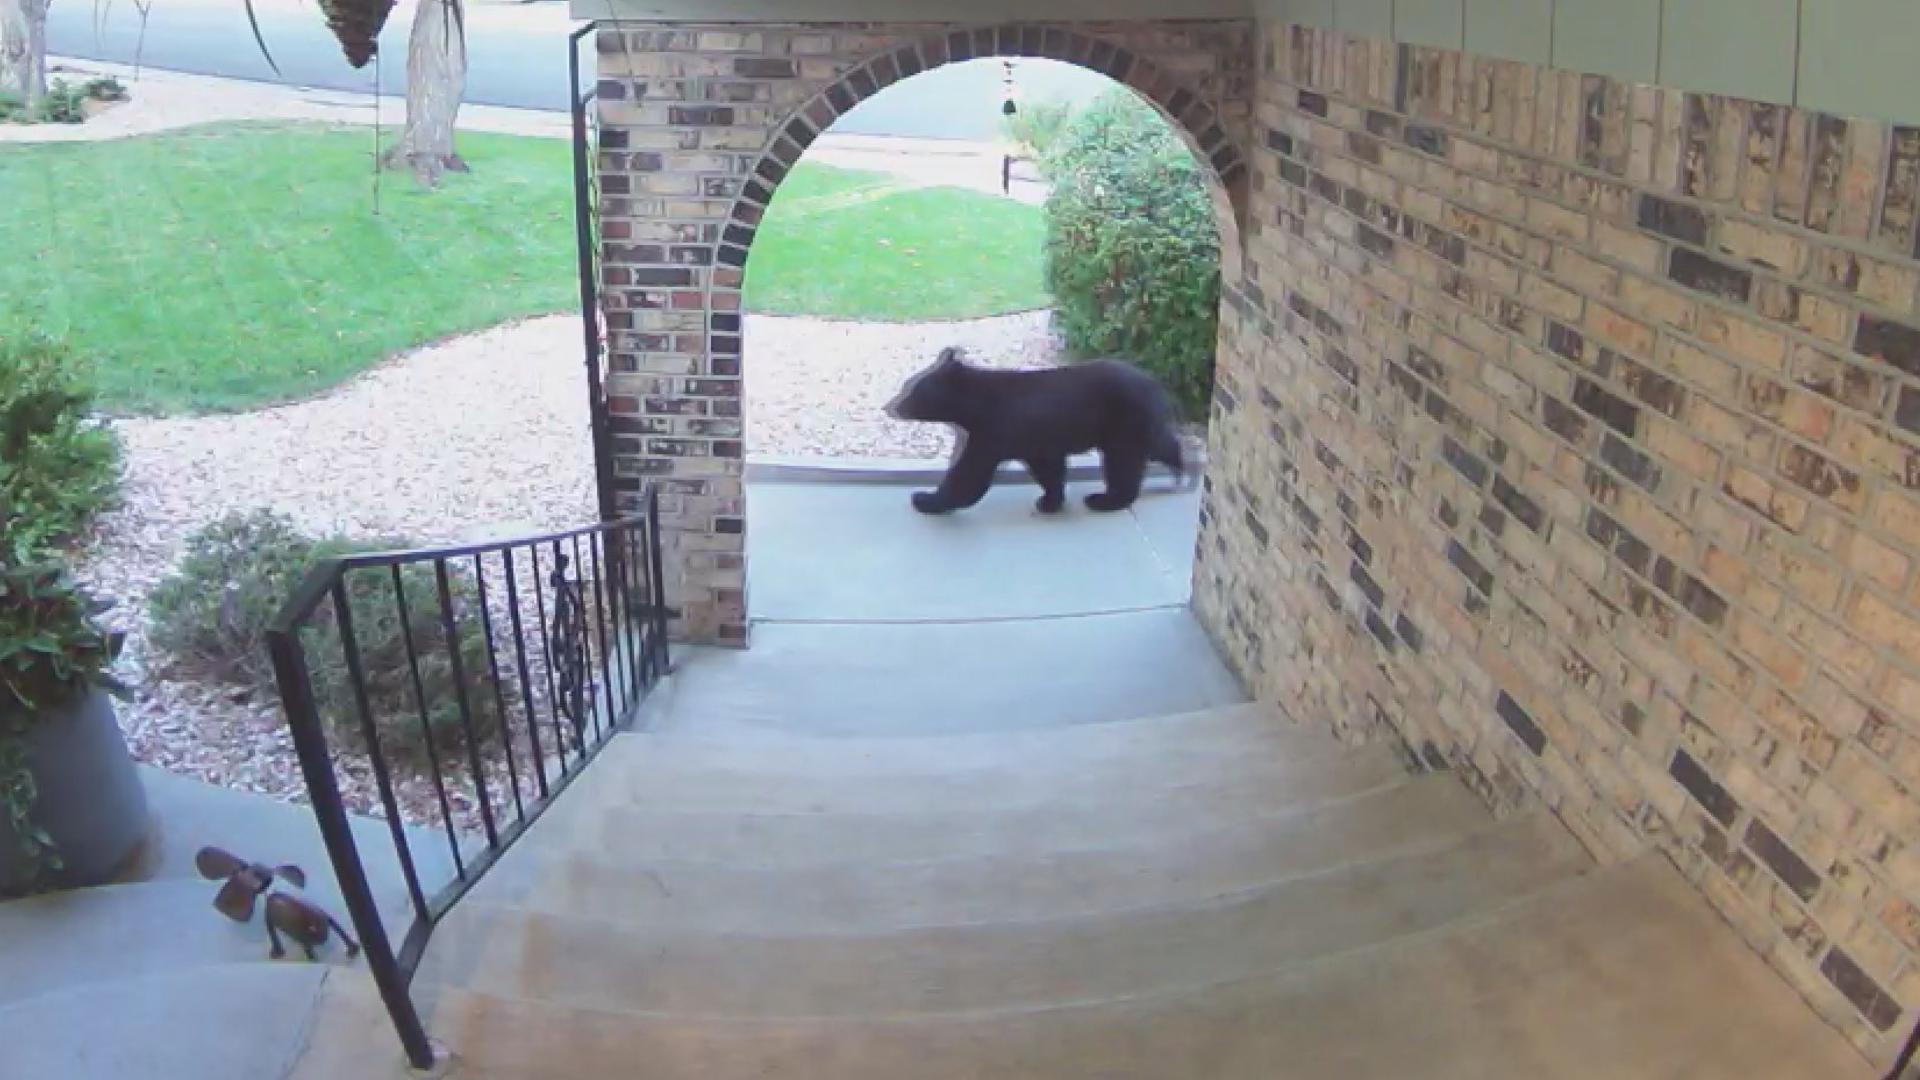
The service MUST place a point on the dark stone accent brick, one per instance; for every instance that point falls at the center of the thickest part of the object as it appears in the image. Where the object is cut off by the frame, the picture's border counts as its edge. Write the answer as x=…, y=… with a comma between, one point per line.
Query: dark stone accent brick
x=1873, y=1001
x=1654, y=390
x=1308, y=519
x=1479, y=576
x=700, y=115
x=1408, y=632
x=1380, y=630
x=1293, y=173
x=662, y=276
x=1673, y=219
x=1426, y=366
x=1370, y=587
x=756, y=68
x=1816, y=473
x=1791, y=869
x=1342, y=365
x=610, y=90
x=757, y=191
x=1709, y=794
x=1895, y=343
x=1403, y=381
x=1324, y=186
x=1492, y=520
x=1711, y=276
x=1566, y=341
x=1258, y=530
x=725, y=321
x=861, y=81
x=1629, y=462
x=729, y=526
x=909, y=62
x=1327, y=592
x=1438, y=407
x=1907, y=412
x=959, y=46
x=1384, y=124
x=732, y=256
x=1463, y=461
x=1357, y=203
x=1311, y=102
x=1448, y=515
x=771, y=170
x=1427, y=139
x=1363, y=147
x=1376, y=243
x=1525, y=510
x=1520, y=723
x=738, y=234
x=1611, y=409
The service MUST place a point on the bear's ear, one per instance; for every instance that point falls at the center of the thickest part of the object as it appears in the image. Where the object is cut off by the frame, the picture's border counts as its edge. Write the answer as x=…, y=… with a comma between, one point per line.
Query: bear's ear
x=949, y=357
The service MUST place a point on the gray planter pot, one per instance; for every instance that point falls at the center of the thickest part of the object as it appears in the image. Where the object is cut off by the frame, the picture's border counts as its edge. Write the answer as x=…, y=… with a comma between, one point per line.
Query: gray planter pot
x=90, y=799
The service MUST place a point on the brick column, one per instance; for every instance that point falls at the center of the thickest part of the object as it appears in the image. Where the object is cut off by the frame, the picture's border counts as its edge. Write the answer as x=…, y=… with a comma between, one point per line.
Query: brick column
x=699, y=124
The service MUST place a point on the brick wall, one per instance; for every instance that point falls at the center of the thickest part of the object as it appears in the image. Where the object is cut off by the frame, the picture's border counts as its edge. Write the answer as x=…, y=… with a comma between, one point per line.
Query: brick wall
x=1566, y=428
x=698, y=124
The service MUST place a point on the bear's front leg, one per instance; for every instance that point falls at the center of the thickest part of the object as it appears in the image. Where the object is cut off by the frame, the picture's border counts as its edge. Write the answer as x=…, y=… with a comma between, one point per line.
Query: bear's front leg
x=966, y=483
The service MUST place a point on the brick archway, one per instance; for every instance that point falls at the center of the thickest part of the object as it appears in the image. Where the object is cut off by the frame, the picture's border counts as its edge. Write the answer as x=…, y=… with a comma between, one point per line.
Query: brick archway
x=698, y=126
x=1189, y=113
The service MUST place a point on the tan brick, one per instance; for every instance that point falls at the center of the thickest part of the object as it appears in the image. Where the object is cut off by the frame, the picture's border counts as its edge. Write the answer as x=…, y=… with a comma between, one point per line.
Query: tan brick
x=1769, y=248
x=1564, y=304
x=1876, y=561
x=1669, y=441
x=1629, y=248
x=1834, y=646
x=1658, y=303
x=1897, y=516
x=1588, y=276
x=1764, y=497
x=1614, y=328
x=1699, y=367
x=1772, y=652
x=1558, y=221
x=1880, y=622
x=1743, y=339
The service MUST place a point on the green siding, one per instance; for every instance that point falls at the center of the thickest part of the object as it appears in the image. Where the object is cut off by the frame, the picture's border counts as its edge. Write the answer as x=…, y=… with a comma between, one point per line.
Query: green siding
x=1511, y=29
x=1365, y=18
x=1861, y=57
x=1430, y=22
x=1608, y=37
x=1741, y=48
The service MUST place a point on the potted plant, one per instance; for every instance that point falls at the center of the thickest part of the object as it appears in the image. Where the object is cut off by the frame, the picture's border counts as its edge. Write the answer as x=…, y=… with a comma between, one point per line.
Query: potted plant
x=72, y=811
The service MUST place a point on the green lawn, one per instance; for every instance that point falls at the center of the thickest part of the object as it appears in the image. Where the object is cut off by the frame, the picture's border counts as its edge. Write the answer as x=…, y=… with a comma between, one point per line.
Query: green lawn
x=858, y=245
x=227, y=267
x=221, y=268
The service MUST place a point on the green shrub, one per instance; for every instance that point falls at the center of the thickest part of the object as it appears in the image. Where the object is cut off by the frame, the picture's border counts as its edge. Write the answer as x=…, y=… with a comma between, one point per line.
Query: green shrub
x=211, y=617
x=64, y=103
x=1133, y=252
x=1037, y=127
x=58, y=466
x=105, y=88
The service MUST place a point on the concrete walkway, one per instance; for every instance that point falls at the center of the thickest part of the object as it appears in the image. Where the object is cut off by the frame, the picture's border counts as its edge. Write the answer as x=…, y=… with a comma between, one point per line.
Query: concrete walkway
x=851, y=553
x=871, y=620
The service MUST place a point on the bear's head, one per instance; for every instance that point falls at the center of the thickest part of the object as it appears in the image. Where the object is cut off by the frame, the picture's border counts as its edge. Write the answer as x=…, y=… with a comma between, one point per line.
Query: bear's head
x=938, y=394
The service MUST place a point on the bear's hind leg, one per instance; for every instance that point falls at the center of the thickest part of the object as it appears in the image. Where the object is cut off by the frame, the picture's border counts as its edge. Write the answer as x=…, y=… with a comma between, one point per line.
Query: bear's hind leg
x=1124, y=466
x=1051, y=475
x=966, y=483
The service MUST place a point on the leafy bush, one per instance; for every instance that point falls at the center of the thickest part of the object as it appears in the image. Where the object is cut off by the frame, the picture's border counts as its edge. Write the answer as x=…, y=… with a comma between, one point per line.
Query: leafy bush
x=211, y=618
x=1133, y=252
x=105, y=88
x=63, y=103
x=58, y=467
x=1037, y=127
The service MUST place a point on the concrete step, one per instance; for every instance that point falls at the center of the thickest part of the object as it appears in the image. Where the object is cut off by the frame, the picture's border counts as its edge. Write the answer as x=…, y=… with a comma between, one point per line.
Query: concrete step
x=1618, y=975
x=1204, y=738
x=779, y=894
x=1245, y=781
x=917, y=679
x=596, y=816
x=68, y=939
x=222, y=1022
x=1106, y=954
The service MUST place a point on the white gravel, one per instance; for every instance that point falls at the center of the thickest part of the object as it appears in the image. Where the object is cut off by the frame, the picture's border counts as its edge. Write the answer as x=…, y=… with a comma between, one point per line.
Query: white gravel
x=485, y=434
x=818, y=388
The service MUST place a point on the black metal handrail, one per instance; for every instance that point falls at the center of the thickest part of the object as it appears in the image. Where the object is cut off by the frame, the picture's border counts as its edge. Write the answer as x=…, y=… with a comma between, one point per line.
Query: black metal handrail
x=488, y=675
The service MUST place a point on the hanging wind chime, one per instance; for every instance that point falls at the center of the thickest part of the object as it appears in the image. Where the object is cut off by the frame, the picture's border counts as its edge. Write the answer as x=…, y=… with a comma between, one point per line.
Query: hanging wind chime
x=1007, y=109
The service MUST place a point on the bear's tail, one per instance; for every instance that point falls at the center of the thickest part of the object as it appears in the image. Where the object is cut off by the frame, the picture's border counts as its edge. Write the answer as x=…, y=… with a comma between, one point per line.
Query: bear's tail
x=1168, y=451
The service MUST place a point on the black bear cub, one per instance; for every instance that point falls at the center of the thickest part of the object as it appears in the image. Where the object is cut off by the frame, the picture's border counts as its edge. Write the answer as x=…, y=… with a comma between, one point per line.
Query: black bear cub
x=1039, y=418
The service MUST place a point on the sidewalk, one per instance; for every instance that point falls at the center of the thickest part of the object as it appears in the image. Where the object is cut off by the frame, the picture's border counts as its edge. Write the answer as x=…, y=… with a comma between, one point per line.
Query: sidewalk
x=166, y=100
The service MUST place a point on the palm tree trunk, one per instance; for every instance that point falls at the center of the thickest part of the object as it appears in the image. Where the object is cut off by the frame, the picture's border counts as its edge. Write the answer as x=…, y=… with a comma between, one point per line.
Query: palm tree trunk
x=436, y=81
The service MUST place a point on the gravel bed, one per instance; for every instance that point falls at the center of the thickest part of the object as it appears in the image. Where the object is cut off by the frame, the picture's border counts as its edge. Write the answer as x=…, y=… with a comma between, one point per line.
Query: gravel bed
x=819, y=388
x=483, y=435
